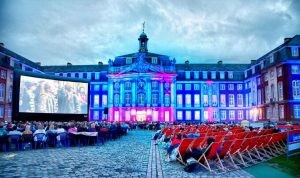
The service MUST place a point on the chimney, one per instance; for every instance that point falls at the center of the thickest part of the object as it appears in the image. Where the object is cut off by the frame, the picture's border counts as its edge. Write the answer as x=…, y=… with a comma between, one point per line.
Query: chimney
x=69, y=64
x=2, y=44
x=100, y=63
x=220, y=62
x=253, y=61
x=38, y=63
x=287, y=39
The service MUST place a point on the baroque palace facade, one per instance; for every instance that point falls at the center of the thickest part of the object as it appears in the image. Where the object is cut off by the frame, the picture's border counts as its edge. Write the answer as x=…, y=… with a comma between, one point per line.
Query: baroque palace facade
x=147, y=86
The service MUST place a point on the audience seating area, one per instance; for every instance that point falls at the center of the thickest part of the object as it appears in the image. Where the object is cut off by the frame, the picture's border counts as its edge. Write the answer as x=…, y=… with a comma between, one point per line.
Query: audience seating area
x=233, y=147
x=14, y=137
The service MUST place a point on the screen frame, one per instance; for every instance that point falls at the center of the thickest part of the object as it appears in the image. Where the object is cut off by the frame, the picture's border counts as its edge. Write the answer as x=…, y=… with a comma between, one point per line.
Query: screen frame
x=26, y=116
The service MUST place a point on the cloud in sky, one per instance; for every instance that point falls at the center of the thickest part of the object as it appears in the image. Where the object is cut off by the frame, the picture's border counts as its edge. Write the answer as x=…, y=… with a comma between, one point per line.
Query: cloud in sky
x=85, y=32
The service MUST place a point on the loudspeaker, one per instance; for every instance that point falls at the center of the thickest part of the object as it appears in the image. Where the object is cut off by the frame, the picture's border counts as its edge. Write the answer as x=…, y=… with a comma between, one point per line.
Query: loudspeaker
x=105, y=110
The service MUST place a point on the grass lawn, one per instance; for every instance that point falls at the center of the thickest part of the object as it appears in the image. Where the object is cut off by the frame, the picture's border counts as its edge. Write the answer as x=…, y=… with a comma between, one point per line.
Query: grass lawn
x=290, y=166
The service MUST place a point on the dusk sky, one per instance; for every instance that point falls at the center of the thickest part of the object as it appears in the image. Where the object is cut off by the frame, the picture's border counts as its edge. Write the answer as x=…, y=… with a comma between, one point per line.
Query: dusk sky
x=55, y=32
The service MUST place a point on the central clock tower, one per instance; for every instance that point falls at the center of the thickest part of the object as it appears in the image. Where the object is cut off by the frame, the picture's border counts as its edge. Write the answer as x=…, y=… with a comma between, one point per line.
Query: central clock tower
x=143, y=40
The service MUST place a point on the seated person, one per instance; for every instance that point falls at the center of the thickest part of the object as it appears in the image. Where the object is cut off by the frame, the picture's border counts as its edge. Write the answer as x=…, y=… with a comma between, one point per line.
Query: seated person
x=3, y=131
x=174, y=143
x=92, y=128
x=27, y=130
x=40, y=130
x=51, y=129
x=72, y=129
x=14, y=131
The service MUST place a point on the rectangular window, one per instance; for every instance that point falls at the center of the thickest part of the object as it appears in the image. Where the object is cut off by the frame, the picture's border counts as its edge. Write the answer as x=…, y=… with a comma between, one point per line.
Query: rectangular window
x=197, y=87
x=213, y=75
x=154, y=85
x=9, y=112
x=205, y=115
x=154, y=60
x=247, y=99
x=96, y=115
x=240, y=115
x=231, y=99
x=128, y=60
x=196, y=99
x=271, y=58
x=222, y=86
x=116, y=100
x=268, y=114
x=295, y=69
x=240, y=99
x=104, y=100
x=188, y=100
x=240, y=86
x=253, y=70
x=127, y=85
x=96, y=87
x=154, y=99
x=230, y=75
x=258, y=81
x=231, y=86
x=231, y=115
x=179, y=100
x=280, y=91
x=116, y=116
x=187, y=74
x=141, y=99
x=179, y=86
x=296, y=89
x=297, y=111
x=266, y=78
x=155, y=115
x=222, y=75
x=188, y=115
x=127, y=98
x=179, y=115
x=97, y=75
x=167, y=116
x=223, y=115
x=258, y=97
x=196, y=74
x=295, y=51
x=205, y=100
x=223, y=100
x=1, y=111
x=104, y=87
x=127, y=116
x=214, y=100
x=204, y=73
x=197, y=115
x=279, y=72
x=215, y=115
x=167, y=100
x=96, y=100
x=187, y=86
x=281, y=111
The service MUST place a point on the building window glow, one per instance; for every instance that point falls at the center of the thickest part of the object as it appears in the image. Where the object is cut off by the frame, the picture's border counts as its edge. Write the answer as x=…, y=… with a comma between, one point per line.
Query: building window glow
x=240, y=86
x=231, y=115
x=281, y=111
x=215, y=115
x=222, y=86
x=127, y=85
x=127, y=98
x=128, y=60
x=205, y=115
x=116, y=100
x=187, y=86
x=141, y=99
x=197, y=115
x=223, y=115
x=268, y=114
x=204, y=73
x=205, y=100
x=179, y=100
x=240, y=115
x=116, y=115
x=104, y=87
x=231, y=86
x=197, y=87
x=231, y=99
x=104, y=100
x=96, y=87
x=279, y=72
x=96, y=115
x=167, y=99
x=155, y=115
x=188, y=115
x=1, y=111
x=297, y=111
x=196, y=74
x=188, y=100
x=213, y=75
x=240, y=99
x=197, y=99
x=280, y=91
x=154, y=99
x=223, y=100
x=179, y=86
x=295, y=51
x=214, y=100
x=296, y=88
x=179, y=115
x=295, y=69
x=258, y=97
x=167, y=116
x=187, y=74
x=127, y=115
x=222, y=75
x=154, y=60
x=230, y=75
x=96, y=100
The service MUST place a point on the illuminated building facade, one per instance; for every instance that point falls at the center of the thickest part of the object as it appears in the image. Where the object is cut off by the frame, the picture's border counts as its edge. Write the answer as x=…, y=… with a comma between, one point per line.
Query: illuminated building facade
x=147, y=86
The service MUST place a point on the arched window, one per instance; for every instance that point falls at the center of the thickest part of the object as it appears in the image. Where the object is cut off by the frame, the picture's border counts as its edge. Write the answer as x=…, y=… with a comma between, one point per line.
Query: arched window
x=2, y=91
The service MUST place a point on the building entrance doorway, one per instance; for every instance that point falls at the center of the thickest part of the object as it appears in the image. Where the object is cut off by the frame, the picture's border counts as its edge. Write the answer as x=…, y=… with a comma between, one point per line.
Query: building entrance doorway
x=141, y=116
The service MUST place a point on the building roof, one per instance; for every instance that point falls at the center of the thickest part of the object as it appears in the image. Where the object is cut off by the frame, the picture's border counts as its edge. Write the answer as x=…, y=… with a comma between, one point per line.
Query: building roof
x=19, y=57
x=212, y=67
x=148, y=54
x=75, y=68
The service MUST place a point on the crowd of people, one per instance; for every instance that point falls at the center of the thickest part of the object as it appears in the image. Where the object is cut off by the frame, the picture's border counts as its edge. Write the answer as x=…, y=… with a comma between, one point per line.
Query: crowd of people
x=46, y=129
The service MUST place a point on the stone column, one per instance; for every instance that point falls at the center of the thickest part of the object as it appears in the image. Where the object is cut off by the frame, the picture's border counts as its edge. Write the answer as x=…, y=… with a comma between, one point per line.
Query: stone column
x=148, y=92
x=133, y=89
x=161, y=93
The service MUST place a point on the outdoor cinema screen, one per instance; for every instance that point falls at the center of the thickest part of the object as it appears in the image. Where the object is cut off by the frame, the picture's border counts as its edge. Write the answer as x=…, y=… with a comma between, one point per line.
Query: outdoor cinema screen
x=39, y=95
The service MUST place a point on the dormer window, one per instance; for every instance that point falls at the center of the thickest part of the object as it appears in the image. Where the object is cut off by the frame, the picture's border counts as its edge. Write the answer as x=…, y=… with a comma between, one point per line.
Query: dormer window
x=230, y=75
x=213, y=75
x=295, y=51
x=128, y=60
x=271, y=58
x=154, y=60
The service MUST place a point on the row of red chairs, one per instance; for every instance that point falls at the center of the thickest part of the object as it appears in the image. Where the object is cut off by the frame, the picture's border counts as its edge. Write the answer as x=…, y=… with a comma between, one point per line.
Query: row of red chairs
x=235, y=152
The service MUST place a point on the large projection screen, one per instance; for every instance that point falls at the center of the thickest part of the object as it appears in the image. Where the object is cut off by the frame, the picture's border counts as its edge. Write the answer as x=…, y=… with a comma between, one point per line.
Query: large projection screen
x=40, y=95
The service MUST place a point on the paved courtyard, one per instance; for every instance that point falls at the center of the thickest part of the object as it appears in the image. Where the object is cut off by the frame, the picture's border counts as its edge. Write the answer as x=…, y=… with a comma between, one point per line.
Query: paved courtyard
x=133, y=155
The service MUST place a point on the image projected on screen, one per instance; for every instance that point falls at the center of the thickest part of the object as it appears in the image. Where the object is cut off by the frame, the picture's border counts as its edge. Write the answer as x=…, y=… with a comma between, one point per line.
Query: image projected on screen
x=38, y=95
